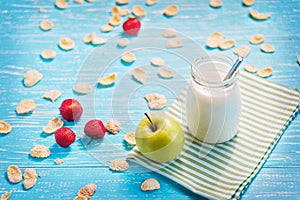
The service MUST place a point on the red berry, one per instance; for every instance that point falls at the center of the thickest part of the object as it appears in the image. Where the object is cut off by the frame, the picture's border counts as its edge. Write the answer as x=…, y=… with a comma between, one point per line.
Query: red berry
x=132, y=26
x=94, y=129
x=64, y=137
x=70, y=110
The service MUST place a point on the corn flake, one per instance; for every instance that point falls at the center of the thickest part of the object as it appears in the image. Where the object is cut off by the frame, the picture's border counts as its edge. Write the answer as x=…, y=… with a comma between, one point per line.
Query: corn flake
x=53, y=125
x=5, y=196
x=156, y=101
x=165, y=72
x=227, y=44
x=87, y=191
x=248, y=2
x=122, y=2
x=119, y=164
x=298, y=58
x=138, y=11
x=171, y=10
x=115, y=20
x=80, y=198
x=106, y=28
x=82, y=88
x=266, y=72
x=258, y=16
x=170, y=32
x=14, y=174
x=215, y=3
x=40, y=151
x=30, y=177
x=150, y=2
x=174, y=43
x=5, y=127
x=66, y=43
x=130, y=138
x=61, y=4
x=42, y=10
x=25, y=106
x=52, y=95
x=123, y=42
x=124, y=12
x=88, y=38
x=140, y=75
x=46, y=25
x=267, y=48
x=48, y=54
x=128, y=57
x=32, y=77
x=250, y=68
x=257, y=39
x=108, y=80
x=58, y=161
x=98, y=40
x=113, y=126
x=157, y=61
x=79, y=1
x=150, y=184
x=242, y=51
x=214, y=40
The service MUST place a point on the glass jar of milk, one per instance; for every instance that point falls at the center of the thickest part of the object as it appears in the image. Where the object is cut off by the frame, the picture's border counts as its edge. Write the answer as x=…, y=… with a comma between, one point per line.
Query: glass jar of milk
x=213, y=105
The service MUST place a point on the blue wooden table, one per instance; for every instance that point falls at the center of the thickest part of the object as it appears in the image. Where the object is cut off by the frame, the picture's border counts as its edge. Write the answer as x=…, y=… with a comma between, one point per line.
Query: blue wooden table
x=21, y=41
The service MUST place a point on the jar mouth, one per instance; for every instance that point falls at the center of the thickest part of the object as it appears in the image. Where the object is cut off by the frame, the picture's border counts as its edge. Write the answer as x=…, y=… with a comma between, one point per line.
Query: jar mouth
x=210, y=70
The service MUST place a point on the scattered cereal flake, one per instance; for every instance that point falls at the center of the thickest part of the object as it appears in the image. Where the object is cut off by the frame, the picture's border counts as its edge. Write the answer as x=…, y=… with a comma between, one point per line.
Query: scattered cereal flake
x=58, y=161
x=123, y=42
x=98, y=40
x=257, y=39
x=171, y=10
x=53, y=125
x=90, y=1
x=156, y=101
x=170, y=32
x=250, y=68
x=259, y=16
x=32, y=77
x=82, y=88
x=128, y=57
x=30, y=177
x=87, y=190
x=156, y=61
x=80, y=198
x=42, y=10
x=298, y=58
x=52, y=95
x=215, y=3
x=89, y=37
x=267, y=48
x=243, y=51
x=115, y=20
x=227, y=44
x=150, y=2
x=122, y=2
x=130, y=138
x=124, y=12
x=174, y=43
x=106, y=28
x=5, y=196
x=139, y=75
x=66, y=43
x=138, y=11
x=25, y=106
x=46, y=25
x=119, y=164
x=14, y=174
x=79, y=1
x=150, y=184
x=5, y=127
x=248, y=2
x=40, y=151
x=113, y=126
x=214, y=40
x=266, y=72
x=165, y=72
x=48, y=54
x=108, y=80
x=115, y=11
x=61, y=4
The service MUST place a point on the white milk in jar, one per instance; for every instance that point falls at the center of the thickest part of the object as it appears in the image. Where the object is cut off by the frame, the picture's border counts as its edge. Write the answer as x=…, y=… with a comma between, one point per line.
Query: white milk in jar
x=213, y=105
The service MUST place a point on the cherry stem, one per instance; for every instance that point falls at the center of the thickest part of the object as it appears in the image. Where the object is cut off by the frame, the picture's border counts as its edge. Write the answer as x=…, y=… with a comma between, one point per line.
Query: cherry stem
x=152, y=126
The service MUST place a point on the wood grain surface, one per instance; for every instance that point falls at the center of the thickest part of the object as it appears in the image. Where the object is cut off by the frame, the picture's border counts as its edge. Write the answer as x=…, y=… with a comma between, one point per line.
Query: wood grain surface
x=21, y=41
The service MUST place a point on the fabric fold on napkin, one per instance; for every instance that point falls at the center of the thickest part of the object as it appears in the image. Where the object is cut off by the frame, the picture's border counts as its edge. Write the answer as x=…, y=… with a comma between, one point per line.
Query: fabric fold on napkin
x=224, y=171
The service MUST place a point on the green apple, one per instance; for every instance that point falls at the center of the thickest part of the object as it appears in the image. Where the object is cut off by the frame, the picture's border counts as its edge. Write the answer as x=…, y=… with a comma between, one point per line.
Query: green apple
x=159, y=137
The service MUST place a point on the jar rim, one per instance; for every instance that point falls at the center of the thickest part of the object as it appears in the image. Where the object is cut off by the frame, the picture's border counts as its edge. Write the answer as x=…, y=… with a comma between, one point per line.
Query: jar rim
x=213, y=57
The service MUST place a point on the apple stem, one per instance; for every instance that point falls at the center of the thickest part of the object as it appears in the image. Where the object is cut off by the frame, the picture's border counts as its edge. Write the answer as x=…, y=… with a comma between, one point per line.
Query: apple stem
x=152, y=126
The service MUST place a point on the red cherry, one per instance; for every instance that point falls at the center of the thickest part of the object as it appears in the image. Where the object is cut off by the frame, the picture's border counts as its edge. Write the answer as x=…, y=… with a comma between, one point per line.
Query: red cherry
x=64, y=137
x=132, y=26
x=94, y=129
x=70, y=110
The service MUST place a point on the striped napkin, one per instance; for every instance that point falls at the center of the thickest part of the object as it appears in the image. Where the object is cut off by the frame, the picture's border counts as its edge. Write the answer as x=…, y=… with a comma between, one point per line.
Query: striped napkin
x=223, y=171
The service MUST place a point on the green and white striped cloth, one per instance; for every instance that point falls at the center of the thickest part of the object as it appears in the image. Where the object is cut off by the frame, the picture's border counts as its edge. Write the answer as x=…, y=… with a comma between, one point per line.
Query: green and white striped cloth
x=223, y=171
